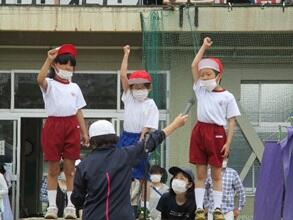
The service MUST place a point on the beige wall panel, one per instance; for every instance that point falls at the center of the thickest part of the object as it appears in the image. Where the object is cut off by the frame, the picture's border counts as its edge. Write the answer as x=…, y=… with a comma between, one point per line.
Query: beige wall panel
x=94, y=60
x=181, y=90
x=119, y=19
x=246, y=19
x=50, y=18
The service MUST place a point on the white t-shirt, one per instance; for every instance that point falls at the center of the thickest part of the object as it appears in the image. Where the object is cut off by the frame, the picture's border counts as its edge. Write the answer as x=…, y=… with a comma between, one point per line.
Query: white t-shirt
x=139, y=115
x=215, y=107
x=61, y=99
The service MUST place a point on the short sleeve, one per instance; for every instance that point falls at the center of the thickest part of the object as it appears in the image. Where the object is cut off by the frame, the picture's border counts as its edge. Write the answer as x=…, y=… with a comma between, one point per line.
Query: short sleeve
x=80, y=102
x=197, y=88
x=232, y=108
x=152, y=120
x=126, y=96
x=162, y=204
x=49, y=86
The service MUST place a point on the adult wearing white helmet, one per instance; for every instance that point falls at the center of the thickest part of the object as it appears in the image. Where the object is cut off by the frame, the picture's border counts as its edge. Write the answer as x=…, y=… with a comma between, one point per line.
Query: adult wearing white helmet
x=102, y=180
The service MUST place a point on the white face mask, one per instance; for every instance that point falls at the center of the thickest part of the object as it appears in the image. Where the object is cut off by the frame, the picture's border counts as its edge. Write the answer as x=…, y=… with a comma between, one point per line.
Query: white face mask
x=140, y=94
x=179, y=186
x=156, y=178
x=209, y=85
x=64, y=74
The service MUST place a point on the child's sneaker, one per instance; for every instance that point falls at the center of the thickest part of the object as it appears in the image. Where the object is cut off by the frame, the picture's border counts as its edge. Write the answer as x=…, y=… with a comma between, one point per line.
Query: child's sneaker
x=52, y=212
x=199, y=214
x=218, y=215
x=70, y=213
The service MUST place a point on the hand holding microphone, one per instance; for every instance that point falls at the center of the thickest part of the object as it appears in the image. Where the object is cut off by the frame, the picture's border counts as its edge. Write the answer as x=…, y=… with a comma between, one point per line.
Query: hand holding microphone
x=188, y=106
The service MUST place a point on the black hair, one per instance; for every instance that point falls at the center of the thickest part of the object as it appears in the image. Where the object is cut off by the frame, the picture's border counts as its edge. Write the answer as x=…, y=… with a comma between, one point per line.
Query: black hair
x=190, y=190
x=103, y=140
x=156, y=169
x=62, y=59
x=216, y=72
x=2, y=169
x=147, y=85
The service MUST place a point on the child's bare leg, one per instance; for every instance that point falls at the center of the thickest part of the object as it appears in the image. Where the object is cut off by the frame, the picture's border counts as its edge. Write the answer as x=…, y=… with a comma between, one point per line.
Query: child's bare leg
x=53, y=172
x=201, y=175
x=217, y=186
x=69, y=166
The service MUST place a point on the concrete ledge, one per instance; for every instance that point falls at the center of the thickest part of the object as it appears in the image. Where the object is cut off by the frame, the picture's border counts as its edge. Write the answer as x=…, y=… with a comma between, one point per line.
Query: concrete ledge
x=127, y=19
x=89, y=19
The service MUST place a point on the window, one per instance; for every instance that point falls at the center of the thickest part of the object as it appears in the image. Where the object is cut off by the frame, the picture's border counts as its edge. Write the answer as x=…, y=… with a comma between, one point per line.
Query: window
x=267, y=101
x=27, y=93
x=99, y=90
x=5, y=90
x=267, y=105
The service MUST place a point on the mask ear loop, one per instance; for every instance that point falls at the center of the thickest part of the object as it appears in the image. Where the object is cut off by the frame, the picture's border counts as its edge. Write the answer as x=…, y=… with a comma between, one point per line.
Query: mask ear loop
x=218, y=79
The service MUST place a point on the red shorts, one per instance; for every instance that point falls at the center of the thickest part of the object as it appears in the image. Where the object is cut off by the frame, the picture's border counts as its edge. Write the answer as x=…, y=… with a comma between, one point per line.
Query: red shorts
x=61, y=138
x=206, y=143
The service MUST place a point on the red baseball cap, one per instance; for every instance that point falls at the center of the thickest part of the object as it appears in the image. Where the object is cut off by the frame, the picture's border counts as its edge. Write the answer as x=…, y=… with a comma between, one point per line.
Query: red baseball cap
x=67, y=48
x=138, y=77
x=211, y=63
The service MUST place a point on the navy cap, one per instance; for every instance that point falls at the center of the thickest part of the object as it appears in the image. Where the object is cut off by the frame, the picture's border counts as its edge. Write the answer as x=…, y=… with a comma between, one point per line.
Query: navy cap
x=187, y=171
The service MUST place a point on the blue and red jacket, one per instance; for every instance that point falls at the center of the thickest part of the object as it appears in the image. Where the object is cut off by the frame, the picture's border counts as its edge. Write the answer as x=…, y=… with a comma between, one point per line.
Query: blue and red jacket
x=102, y=180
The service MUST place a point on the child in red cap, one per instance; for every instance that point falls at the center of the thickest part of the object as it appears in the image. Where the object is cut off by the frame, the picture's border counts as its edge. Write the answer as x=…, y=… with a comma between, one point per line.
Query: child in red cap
x=141, y=114
x=209, y=144
x=61, y=133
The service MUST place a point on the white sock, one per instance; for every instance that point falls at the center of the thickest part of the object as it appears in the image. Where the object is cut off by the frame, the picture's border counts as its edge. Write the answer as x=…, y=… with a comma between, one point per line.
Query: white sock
x=217, y=195
x=69, y=199
x=147, y=204
x=52, y=194
x=199, y=196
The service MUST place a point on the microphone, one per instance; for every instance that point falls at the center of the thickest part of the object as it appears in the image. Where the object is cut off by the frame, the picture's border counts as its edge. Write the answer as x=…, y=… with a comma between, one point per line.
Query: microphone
x=146, y=140
x=188, y=106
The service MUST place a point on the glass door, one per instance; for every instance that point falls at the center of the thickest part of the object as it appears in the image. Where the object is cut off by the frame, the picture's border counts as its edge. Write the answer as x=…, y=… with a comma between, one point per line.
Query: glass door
x=9, y=158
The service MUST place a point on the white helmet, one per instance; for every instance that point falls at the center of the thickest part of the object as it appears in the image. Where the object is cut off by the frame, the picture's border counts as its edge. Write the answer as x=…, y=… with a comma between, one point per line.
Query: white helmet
x=101, y=127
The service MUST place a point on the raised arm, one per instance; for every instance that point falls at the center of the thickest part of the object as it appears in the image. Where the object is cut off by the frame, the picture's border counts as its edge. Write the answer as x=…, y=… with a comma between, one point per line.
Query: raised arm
x=41, y=79
x=178, y=122
x=157, y=137
x=124, y=67
x=207, y=43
